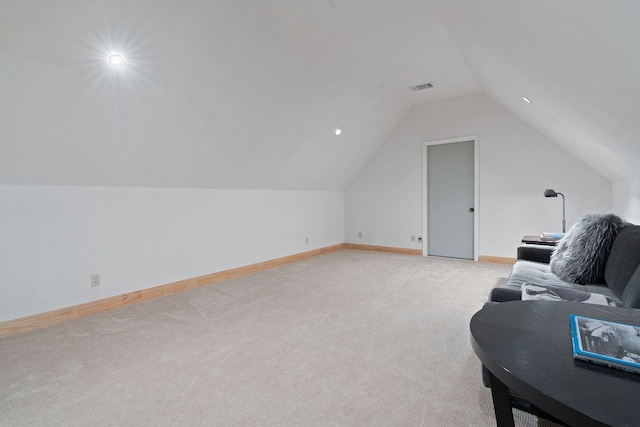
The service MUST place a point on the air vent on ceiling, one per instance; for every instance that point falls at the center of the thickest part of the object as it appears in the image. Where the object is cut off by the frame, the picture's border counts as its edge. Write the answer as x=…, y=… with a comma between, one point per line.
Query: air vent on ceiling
x=421, y=87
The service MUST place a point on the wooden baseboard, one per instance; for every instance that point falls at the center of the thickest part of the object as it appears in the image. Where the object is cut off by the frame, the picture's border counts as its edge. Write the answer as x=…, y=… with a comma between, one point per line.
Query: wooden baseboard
x=383, y=249
x=496, y=259
x=49, y=318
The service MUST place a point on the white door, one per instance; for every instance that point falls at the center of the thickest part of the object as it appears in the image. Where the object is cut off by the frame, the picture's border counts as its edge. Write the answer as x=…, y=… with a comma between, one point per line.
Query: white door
x=450, y=186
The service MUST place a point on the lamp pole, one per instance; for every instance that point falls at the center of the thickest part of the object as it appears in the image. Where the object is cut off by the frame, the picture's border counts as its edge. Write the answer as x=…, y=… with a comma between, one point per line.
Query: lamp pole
x=564, y=218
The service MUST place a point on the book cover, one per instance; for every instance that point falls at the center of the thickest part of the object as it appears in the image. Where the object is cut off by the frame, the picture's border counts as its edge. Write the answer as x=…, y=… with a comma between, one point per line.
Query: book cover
x=551, y=236
x=606, y=343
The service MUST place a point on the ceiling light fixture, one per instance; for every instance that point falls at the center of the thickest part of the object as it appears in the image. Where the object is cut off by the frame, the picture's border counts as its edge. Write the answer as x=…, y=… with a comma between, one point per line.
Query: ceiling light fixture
x=115, y=60
x=527, y=100
x=338, y=131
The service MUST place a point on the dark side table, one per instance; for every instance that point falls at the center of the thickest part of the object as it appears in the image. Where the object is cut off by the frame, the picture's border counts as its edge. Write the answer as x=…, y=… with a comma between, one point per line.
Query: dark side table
x=526, y=346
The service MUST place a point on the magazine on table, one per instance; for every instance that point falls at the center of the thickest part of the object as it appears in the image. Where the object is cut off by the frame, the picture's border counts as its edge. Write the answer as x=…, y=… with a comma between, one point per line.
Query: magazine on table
x=605, y=342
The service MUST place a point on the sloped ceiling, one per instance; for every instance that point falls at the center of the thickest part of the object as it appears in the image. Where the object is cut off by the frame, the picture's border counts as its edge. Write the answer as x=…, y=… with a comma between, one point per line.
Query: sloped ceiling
x=577, y=60
x=217, y=94
x=247, y=94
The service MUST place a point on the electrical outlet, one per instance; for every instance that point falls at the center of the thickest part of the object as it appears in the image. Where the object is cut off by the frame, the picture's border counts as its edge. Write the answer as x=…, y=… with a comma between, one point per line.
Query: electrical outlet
x=307, y=240
x=359, y=234
x=413, y=237
x=95, y=280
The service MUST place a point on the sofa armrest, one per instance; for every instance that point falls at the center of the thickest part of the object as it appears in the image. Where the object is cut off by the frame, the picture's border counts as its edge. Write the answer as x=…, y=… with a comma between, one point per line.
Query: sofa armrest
x=505, y=294
x=536, y=253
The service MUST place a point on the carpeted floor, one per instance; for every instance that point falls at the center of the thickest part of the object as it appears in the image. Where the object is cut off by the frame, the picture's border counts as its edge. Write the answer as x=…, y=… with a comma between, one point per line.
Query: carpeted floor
x=348, y=338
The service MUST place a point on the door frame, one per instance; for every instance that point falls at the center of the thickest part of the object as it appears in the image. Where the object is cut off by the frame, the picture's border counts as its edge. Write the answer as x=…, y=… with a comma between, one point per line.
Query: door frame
x=425, y=189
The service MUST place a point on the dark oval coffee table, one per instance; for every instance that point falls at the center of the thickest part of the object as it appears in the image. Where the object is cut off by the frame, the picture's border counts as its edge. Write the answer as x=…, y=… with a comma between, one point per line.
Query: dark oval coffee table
x=526, y=346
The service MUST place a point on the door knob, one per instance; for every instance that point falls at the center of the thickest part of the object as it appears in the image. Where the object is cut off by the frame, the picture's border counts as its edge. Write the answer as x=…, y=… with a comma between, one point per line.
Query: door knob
x=471, y=210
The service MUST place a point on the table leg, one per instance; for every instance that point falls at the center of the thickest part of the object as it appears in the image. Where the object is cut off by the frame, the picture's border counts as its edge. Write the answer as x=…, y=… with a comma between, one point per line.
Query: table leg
x=501, y=402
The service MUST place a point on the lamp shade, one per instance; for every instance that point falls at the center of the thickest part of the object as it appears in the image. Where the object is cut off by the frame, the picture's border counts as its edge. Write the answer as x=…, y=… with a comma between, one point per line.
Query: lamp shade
x=550, y=193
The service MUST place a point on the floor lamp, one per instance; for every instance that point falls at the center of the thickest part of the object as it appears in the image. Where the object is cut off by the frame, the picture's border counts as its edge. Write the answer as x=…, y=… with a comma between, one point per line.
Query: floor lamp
x=550, y=193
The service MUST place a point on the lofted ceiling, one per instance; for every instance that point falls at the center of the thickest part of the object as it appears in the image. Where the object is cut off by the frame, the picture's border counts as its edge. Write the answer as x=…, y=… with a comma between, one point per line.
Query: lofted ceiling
x=248, y=93
x=577, y=60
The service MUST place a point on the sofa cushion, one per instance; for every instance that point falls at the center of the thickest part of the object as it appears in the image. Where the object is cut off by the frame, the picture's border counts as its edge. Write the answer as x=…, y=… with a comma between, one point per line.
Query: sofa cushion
x=624, y=259
x=631, y=295
x=534, y=272
x=581, y=256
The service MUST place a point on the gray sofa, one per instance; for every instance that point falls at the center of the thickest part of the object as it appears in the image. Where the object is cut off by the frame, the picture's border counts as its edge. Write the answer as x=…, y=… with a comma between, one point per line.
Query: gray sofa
x=620, y=280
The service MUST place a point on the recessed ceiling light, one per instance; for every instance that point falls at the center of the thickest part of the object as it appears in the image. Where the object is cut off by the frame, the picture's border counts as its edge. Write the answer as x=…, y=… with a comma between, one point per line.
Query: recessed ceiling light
x=527, y=100
x=338, y=131
x=115, y=60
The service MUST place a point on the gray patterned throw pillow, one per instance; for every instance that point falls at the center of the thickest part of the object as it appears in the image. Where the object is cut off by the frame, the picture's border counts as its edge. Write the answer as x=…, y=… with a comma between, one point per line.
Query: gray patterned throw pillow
x=581, y=255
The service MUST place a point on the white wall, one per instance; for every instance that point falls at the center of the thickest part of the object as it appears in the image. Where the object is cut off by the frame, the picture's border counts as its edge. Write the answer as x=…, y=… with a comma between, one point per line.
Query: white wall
x=516, y=164
x=53, y=238
x=626, y=199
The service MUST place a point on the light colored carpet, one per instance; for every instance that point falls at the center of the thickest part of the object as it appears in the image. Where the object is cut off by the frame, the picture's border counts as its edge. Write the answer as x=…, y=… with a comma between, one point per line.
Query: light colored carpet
x=348, y=338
